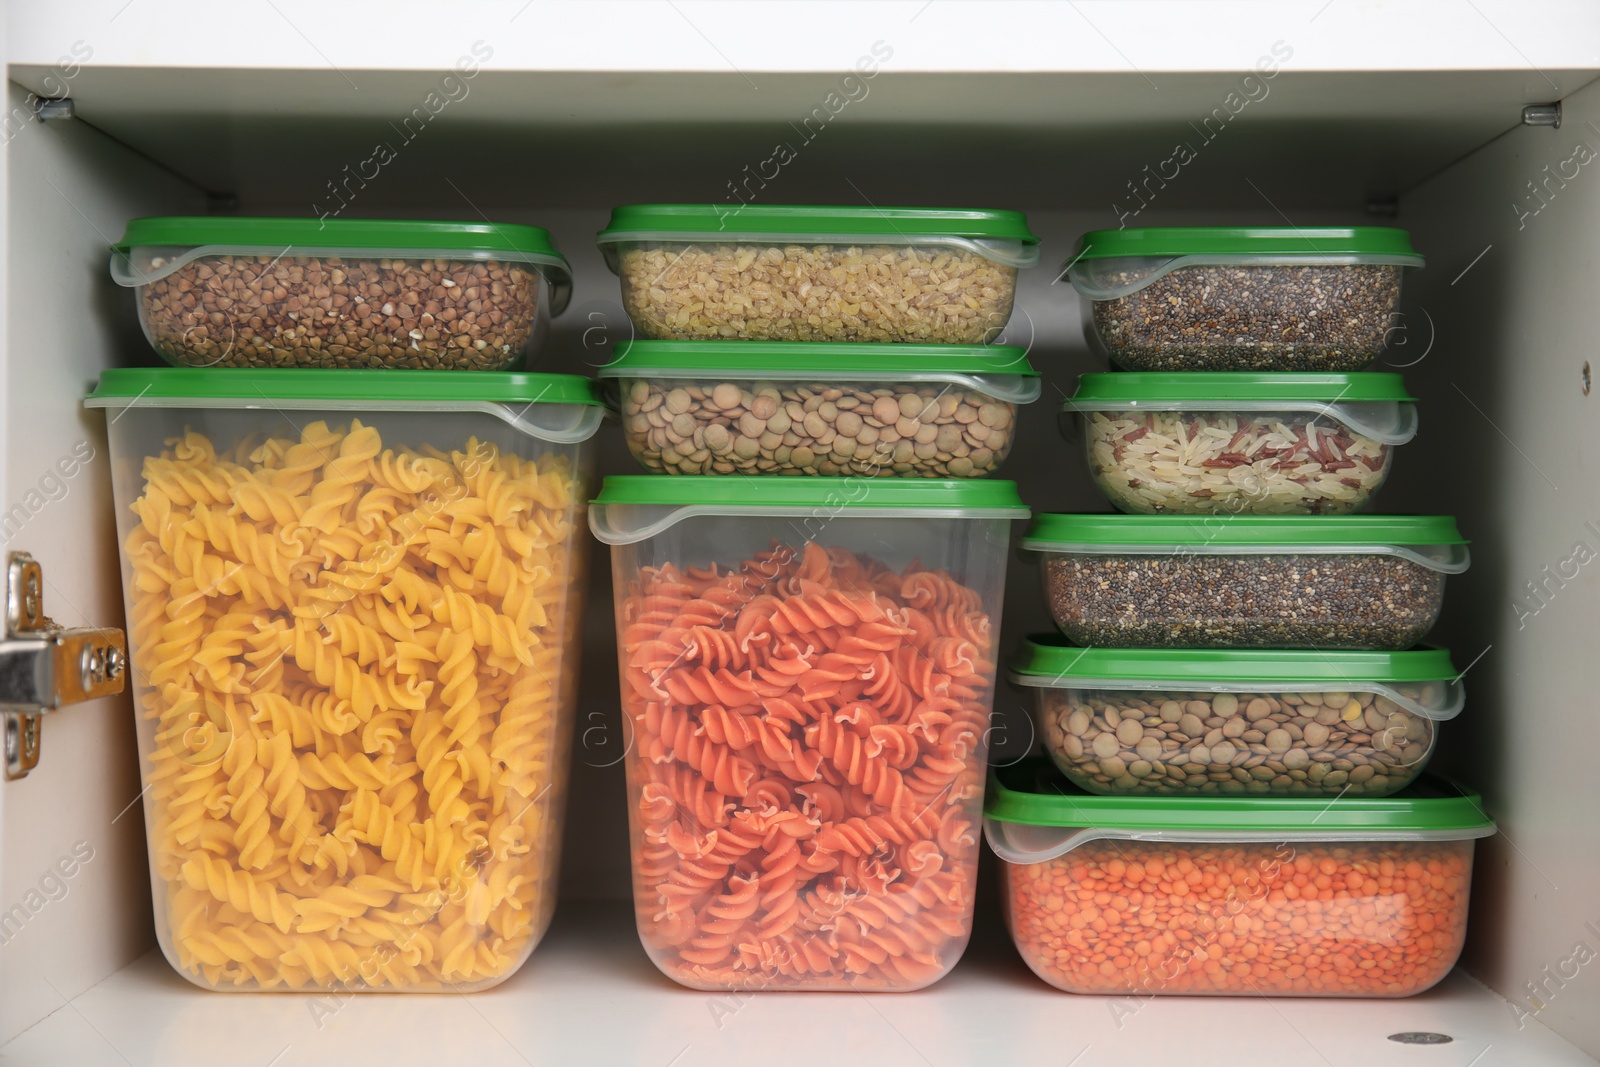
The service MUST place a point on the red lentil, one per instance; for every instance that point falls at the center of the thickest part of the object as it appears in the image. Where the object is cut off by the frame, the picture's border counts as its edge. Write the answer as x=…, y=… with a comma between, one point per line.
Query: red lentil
x=1376, y=919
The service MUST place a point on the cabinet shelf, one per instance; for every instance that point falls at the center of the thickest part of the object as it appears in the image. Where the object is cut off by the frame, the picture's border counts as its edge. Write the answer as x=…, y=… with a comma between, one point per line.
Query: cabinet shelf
x=590, y=995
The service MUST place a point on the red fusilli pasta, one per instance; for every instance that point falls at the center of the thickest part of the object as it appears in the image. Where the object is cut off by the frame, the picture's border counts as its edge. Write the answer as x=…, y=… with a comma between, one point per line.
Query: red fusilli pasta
x=807, y=768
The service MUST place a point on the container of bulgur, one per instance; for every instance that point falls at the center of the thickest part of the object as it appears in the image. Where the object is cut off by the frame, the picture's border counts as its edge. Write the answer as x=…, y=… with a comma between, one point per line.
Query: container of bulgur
x=1359, y=582
x=1221, y=298
x=780, y=272
x=1266, y=896
x=345, y=293
x=804, y=408
x=1243, y=721
x=1237, y=442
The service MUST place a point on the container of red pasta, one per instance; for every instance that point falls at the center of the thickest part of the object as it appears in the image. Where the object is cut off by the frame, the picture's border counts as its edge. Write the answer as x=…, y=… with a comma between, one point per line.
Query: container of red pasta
x=807, y=669
x=353, y=634
x=1261, y=896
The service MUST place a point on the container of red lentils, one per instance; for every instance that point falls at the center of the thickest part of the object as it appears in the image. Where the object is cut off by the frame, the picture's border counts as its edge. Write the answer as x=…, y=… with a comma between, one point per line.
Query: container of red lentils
x=1264, y=896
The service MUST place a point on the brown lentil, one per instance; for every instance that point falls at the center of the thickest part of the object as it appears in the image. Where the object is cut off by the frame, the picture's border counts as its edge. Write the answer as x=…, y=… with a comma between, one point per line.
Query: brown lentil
x=1214, y=600
x=1121, y=741
x=1263, y=318
x=929, y=294
x=329, y=311
x=924, y=429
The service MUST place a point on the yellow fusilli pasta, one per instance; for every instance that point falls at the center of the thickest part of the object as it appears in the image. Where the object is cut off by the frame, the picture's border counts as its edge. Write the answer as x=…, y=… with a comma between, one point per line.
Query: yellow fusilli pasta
x=356, y=667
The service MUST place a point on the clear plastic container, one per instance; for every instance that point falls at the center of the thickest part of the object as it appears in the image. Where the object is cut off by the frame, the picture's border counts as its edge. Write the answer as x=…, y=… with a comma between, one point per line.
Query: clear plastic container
x=1246, y=581
x=732, y=407
x=1241, y=443
x=347, y=293
x=1245, y=722
x=1227, y=298
x=1266, y=897
x=779, y=272
x=353, y=611
x=807, y=675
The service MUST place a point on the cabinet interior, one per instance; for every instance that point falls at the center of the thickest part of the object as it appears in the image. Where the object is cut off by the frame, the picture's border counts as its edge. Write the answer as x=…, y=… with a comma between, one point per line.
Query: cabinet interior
x=1495, y=340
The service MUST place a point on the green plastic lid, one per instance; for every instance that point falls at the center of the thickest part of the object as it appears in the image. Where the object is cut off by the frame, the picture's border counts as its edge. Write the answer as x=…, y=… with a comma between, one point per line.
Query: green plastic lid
x=1131, y=389
x=205, y=387
x=1033, y=793
x=629, y=223
x=794, y=359
x=198, y=236
x=767, y=492
x=1050, y=532
x=1048, y=660
x=276, y=234
x=1384, y=242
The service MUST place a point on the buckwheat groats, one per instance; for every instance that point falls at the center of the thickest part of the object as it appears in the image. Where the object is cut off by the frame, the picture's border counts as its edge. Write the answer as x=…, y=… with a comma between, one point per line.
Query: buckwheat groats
x=1142, y=721
x=1229, y=299
x=288, y=293
x=931, y=411
x=1237, y=443
x=791, y=273
x=1277, y=896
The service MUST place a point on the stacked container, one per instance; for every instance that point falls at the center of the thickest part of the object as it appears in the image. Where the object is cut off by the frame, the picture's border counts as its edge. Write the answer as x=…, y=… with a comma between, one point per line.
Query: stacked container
x=809, y=581
x=1239, y=647
x=353, y=596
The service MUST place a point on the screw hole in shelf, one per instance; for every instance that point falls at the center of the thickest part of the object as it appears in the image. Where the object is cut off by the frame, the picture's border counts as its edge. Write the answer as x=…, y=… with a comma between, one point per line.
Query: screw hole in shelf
x=1421, y=1037
x=1588, y=378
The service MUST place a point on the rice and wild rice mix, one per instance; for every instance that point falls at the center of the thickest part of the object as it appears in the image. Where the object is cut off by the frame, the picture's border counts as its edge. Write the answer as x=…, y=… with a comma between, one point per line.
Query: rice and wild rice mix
x=1267, y=463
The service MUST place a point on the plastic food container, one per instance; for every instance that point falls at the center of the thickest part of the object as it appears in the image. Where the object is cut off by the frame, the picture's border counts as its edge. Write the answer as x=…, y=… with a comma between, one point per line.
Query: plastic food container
x=733, y=407
x=1235, y=443
x=1236, y=298
x=250, y=292
x=1246, y=581
x=353, y=610
x=807, y=675
x=1272, y=896
x=751, y=272
x=1142, y=721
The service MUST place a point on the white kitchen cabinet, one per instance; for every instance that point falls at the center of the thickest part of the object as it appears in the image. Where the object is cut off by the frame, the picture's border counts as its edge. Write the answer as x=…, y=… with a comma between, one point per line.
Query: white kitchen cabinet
x=1410, y=111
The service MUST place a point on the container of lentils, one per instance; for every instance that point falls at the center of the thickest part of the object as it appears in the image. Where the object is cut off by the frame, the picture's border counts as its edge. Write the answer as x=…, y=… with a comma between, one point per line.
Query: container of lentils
x=1236, y=442
x=1218, y=298
x=1208, y=896
x=782, y=272
x=1246, y=581
x=253, y=292
x=1242, y=721
x=801, y=408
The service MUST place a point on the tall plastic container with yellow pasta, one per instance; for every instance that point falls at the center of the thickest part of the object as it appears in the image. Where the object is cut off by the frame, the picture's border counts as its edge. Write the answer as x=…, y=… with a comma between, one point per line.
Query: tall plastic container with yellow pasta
x=353, y=616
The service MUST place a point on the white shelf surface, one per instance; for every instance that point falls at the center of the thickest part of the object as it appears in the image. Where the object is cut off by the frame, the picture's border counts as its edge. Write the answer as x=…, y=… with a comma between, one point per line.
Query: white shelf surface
x=589, y=995
x=815, y=35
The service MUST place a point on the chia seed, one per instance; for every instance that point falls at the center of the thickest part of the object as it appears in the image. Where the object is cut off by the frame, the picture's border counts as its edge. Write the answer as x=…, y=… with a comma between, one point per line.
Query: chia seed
x=1211, y=600
x=1251, y=318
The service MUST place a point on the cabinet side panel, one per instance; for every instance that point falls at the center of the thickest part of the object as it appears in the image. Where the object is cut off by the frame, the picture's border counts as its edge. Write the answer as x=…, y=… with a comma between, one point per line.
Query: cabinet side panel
x=1511, y=444
x=74, y=896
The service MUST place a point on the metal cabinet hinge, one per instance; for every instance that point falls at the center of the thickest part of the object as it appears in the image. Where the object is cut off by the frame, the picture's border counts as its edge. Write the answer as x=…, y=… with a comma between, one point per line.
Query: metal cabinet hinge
x=56, y=108
x=44, y=666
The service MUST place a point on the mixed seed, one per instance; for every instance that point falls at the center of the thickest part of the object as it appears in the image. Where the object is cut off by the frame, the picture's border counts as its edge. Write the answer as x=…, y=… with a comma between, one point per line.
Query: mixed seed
x=1119, y=741
x=1251, y=318
x=1213, y=600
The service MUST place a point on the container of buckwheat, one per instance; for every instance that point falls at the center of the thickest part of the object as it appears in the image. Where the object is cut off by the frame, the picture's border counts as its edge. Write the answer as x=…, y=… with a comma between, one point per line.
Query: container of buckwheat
x=257, y=292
